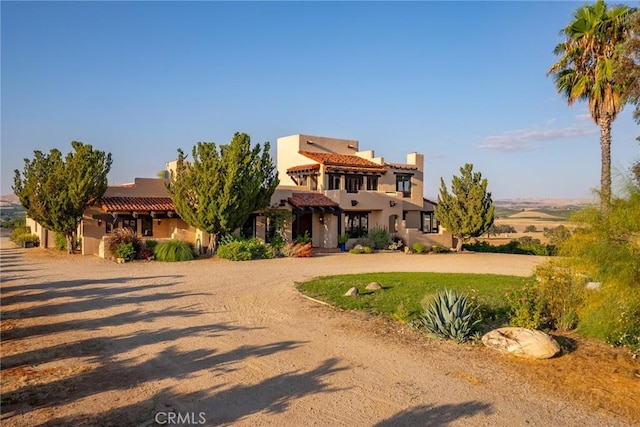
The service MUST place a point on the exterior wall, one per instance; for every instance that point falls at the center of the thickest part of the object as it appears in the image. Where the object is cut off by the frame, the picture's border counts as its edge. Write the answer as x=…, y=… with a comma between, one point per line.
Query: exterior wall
x=288, y=147
x=46, y=237
x=142, y=187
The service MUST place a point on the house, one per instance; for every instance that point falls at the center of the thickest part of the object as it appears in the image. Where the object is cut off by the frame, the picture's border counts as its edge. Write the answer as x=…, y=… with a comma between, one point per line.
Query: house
x=328, y=187
x=334, y=188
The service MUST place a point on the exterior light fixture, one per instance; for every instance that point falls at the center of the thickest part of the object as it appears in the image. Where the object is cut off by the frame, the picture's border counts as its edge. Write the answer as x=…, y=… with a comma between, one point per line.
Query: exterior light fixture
x=392, y=203
x=354, y=203
x=99, y=222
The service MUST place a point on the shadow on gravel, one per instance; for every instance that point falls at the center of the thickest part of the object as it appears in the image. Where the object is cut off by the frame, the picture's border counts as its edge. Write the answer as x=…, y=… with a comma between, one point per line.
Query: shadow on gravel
x=113, y=375
x=433, y=416
x=218, y=406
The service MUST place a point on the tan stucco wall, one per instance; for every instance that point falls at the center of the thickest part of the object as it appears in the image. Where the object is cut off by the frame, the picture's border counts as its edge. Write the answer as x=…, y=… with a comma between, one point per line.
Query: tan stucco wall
x=142, y=187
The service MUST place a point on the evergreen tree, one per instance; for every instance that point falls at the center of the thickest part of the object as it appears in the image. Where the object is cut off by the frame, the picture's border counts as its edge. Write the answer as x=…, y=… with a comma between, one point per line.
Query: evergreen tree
x=55, y=191
x=217, y=191
x=468, y=210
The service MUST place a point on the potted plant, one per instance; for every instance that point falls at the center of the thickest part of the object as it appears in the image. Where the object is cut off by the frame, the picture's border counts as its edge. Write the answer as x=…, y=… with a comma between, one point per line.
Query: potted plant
x=342, y=242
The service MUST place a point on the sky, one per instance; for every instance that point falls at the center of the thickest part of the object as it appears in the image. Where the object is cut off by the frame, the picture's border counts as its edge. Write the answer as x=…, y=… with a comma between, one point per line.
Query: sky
x=460, y=82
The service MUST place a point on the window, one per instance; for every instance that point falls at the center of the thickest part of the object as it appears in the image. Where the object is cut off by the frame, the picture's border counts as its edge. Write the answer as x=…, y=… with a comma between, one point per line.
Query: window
x=372, y=183
x=130, y=223
x=403, y=184
x=357, y=224
x=334, y=181
x=147, y=226
x=429, y=223
x=353, y=183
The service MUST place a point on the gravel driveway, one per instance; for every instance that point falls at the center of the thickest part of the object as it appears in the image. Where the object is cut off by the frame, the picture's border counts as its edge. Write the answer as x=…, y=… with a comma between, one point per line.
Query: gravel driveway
x=211, y=342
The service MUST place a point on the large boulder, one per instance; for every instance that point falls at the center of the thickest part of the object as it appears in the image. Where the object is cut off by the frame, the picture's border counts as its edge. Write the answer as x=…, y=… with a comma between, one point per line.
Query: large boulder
x=374, y=286
x=522, y=342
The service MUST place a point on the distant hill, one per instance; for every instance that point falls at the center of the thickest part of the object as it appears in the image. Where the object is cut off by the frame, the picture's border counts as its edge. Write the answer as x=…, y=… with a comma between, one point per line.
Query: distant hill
x=10, y=207
x=543, y=203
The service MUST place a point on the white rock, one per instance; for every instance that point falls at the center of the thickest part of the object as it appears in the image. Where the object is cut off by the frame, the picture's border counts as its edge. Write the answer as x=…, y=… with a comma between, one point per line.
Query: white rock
x=593, y=285
x=522, y=342
x=352, y=292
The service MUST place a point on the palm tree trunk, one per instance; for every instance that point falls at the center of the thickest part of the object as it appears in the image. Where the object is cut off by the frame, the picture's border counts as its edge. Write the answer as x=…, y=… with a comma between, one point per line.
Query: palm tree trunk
x=605, y=176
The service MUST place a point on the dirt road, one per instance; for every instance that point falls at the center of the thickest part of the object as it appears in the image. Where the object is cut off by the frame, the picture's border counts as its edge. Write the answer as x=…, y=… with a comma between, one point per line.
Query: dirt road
x=210, y=342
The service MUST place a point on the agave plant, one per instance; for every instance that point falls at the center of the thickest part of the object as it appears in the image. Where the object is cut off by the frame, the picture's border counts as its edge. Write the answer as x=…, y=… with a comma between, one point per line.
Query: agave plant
x=449, y=315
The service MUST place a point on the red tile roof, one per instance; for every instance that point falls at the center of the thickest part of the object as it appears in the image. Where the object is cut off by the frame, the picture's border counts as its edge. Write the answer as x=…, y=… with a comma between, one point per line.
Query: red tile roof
x=344, y=161
x=114, y=204
x=314, y=200
x=304, y=168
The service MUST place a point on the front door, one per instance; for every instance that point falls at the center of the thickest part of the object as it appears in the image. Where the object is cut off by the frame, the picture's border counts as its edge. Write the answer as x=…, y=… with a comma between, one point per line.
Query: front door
x=302, y=223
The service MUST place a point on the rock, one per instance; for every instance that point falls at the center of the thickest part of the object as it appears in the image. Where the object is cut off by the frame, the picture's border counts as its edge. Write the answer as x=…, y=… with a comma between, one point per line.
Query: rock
x=407, y=250
x=352, y=292
x=374, y=286
x=522, y=342
x=593, y=285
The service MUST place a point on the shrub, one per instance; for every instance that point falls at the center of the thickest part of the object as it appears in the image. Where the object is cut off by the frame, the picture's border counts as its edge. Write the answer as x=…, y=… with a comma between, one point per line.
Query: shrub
x=523, y=246
x=562, y=292
x=437, y=249
x=245, y=250
x=418, y=247
x=26, y=238
x=396, y=244
x=305, y=238
x=359, y=249
x=173, y=251
x=530, y=229
x=449, y=315
x=150, y=244
x=557, y=235
x=60, y=241
x=525, y=306
x=122, y=235
x=19, y=231
x=297, y=250
x=380, y=237
x=278, y=242
x=364, y=242
x=606, y=248
x=125, y=251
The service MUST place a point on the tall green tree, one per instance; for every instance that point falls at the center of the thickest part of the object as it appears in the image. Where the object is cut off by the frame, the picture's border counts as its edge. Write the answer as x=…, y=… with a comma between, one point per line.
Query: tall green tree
x=586, y=67
x=468, y=210
x=55, y=190
x=217, y=191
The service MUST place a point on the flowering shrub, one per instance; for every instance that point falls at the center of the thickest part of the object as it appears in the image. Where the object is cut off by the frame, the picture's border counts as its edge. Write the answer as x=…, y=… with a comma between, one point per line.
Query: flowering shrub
x=525, y=306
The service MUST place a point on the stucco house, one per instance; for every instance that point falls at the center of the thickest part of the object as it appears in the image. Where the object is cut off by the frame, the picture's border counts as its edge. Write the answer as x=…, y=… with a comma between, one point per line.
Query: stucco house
x=327, y=184
x=334, y=188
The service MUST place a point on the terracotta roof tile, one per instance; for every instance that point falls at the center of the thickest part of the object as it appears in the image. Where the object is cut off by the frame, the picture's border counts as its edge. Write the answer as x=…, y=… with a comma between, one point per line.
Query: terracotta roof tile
x=113, y=204
x=402, y=166
x=302, y=168
x=344, y=161
x=300, y=200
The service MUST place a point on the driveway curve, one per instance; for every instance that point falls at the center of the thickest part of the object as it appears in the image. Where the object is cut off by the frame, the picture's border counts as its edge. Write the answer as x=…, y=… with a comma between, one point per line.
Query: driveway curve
x=211, y=342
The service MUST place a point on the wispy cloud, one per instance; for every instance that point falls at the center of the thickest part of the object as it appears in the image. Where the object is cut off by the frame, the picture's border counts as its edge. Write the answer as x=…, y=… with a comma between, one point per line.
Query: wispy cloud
x=526, y=139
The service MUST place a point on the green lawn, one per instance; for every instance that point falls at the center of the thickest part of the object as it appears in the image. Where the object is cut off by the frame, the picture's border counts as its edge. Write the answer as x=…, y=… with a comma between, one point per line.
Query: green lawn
x=403, y=293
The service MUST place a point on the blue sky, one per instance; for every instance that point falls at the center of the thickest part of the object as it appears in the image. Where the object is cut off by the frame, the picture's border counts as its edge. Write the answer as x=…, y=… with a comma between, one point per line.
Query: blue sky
x=458, y=81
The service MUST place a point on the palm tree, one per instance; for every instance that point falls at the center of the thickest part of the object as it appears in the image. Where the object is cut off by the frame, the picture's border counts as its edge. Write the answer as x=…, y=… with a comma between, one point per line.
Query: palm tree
x=585, y=71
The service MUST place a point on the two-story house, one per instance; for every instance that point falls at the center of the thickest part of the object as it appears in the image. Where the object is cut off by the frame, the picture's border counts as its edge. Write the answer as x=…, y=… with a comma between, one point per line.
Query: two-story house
x=334, y=188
